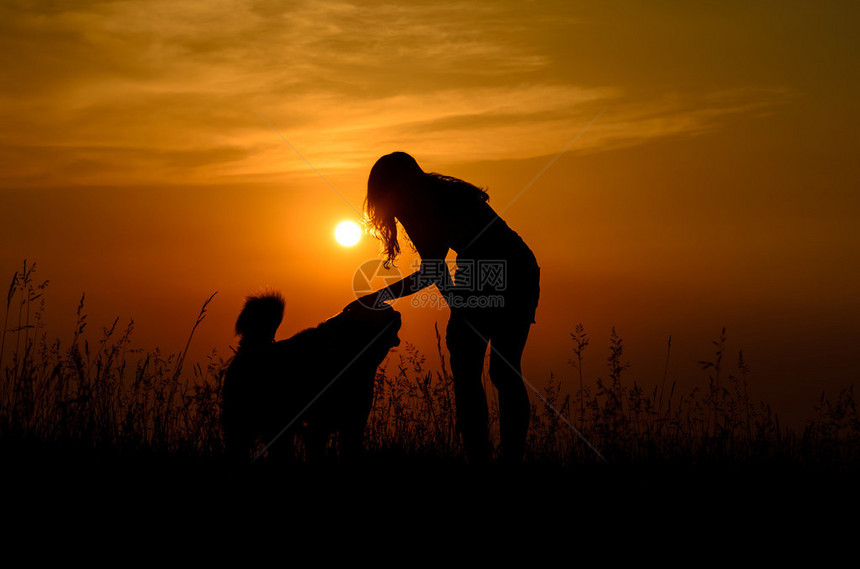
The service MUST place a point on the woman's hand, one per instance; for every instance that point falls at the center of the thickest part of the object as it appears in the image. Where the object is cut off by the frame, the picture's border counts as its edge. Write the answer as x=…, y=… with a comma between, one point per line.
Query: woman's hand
x=404, y=287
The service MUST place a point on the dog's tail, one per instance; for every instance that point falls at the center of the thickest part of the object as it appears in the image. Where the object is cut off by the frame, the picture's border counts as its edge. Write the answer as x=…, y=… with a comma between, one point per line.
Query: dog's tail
x=260, y=318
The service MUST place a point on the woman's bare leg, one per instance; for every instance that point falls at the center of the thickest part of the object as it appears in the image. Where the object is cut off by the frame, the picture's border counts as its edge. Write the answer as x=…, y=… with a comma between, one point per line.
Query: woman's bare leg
x=506, y=351
x=467, y=349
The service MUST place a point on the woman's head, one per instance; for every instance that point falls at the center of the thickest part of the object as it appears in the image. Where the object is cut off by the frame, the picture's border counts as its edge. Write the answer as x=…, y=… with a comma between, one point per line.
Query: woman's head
x=388, y=185
x=391, y=173
x=395, y=185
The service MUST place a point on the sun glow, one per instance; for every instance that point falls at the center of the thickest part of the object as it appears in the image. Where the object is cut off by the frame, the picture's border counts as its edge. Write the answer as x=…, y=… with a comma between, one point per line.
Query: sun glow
x=347, y=233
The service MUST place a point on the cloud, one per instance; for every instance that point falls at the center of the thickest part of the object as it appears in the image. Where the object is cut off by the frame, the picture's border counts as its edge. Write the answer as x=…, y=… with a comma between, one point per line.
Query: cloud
x=122, y=92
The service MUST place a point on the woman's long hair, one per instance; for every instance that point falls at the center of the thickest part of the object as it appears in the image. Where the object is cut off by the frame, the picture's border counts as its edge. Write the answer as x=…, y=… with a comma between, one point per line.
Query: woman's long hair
x=391, y=180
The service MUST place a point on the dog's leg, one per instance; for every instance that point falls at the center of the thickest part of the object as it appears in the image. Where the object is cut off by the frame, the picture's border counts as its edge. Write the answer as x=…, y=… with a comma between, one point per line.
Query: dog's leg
x=238, y=444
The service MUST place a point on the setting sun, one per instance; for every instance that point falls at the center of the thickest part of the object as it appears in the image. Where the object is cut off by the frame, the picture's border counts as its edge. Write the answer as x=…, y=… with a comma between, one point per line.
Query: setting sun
x=347, y=233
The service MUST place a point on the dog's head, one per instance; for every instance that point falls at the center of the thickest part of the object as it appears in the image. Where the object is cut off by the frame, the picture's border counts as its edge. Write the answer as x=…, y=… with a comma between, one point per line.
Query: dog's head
x=374, y=330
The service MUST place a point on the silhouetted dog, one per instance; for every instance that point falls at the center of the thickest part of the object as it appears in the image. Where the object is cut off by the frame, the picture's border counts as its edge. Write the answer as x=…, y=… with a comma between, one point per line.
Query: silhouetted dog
x=315, y=384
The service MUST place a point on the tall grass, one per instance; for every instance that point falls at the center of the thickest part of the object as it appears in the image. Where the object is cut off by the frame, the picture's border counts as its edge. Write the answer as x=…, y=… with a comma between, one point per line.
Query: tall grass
x=715, y=422
x=413, y=409
x=102, y=393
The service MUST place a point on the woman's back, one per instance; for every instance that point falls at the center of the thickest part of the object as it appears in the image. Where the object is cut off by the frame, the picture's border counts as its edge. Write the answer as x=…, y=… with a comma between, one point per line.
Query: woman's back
x=477, y=232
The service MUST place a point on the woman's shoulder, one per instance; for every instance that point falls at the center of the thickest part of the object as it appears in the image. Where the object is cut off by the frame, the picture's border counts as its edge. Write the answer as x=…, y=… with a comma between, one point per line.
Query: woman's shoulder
x=465, y=221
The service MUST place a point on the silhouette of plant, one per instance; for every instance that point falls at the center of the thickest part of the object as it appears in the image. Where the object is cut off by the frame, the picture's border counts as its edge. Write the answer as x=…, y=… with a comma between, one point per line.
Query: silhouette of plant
x=102, y=393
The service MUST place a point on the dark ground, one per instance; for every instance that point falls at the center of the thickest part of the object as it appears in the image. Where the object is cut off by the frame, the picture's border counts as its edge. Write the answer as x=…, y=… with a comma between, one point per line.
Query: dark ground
x=108, y=509
x=45, y=477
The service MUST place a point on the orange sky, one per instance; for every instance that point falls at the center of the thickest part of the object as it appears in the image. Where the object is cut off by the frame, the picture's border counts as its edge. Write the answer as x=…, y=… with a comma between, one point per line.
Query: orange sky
x=716, y=187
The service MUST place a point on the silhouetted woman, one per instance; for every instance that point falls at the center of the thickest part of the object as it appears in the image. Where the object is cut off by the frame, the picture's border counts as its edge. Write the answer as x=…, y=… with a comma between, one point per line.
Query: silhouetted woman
x=493, y=296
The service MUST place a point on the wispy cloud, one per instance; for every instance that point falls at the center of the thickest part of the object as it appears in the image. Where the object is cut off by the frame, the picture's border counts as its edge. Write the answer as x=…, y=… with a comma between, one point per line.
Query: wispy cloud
x=107, y=92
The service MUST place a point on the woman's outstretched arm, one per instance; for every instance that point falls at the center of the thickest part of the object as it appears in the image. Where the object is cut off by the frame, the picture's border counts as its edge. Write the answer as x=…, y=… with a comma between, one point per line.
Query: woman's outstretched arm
x=432, y=271
x=432, y=249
